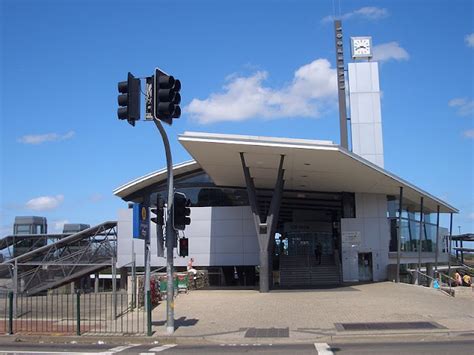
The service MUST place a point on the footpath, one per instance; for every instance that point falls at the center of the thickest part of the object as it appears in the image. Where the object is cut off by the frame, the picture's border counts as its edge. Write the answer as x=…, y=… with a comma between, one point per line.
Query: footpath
x=377, y=311
x=243, y=316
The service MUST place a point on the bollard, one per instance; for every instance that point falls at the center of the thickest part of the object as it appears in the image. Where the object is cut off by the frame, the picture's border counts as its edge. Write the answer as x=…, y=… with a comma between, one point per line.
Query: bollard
x=78, y=313
x=148, y=312
x=10, y=313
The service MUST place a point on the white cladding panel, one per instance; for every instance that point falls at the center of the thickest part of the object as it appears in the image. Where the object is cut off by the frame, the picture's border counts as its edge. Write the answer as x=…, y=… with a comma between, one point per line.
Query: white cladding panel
x=372, y=224
x=217, y=236
x=365, y=111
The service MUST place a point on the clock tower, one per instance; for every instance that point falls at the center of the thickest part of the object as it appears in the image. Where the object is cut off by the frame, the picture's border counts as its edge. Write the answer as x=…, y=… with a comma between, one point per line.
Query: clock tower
x=364, y=95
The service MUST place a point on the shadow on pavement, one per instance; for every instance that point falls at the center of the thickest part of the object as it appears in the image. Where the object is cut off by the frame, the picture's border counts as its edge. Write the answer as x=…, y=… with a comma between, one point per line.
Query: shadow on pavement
x=180, y=322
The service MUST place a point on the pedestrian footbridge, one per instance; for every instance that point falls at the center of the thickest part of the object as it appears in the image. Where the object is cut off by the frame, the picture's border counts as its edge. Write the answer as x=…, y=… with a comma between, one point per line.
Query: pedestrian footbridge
x=41, y=262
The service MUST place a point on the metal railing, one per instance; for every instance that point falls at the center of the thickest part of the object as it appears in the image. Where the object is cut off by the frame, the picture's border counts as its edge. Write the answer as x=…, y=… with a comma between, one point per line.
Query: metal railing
x=73, y=314
x=423, y=279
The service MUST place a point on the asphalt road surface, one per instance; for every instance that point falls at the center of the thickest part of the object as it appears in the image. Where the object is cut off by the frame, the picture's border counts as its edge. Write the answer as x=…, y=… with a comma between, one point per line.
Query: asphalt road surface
x=420, y=347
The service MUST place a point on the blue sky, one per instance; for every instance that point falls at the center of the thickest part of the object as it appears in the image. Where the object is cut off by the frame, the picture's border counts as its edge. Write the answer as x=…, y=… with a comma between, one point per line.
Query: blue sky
x=63, y=150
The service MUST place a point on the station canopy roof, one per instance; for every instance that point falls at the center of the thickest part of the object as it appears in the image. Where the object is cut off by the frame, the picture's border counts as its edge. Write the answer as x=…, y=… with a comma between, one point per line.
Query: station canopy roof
x=310, y=165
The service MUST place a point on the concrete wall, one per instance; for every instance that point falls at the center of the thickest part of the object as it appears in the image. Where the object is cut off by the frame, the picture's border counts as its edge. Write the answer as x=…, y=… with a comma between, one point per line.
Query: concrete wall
x=372, y=224
x=365, y=111
x=217, y=236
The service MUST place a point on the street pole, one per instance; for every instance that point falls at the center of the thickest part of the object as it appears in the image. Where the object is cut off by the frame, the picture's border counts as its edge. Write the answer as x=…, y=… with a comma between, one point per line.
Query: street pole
x=170, y=233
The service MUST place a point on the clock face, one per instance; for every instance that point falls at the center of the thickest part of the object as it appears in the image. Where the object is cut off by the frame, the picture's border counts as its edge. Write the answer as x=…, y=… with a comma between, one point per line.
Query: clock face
x=361, y=47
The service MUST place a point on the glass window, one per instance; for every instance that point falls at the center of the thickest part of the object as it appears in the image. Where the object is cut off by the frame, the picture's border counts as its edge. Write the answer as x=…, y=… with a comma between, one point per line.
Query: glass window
x=212, y=196
x=198, y=178
x=22, y=229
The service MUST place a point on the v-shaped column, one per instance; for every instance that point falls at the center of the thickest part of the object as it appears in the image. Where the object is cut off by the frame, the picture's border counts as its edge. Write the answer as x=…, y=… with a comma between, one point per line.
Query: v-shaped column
x=265, y=229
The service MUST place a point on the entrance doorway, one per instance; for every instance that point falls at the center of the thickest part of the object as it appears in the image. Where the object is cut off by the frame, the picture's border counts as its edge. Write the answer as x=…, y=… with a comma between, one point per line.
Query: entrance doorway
x=304, y=243
x=365, y=267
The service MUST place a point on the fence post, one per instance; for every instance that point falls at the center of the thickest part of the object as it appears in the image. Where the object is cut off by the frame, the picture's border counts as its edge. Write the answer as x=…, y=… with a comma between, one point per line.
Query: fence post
x=78, y=313
x=148, y=312
x=10, y=313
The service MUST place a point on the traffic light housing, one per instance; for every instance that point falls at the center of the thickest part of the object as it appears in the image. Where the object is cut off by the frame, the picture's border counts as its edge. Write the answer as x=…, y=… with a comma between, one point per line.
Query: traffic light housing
x=181, y=211
x=183, y=247
x=166, y=97
x=129, y=99
x=158, y=212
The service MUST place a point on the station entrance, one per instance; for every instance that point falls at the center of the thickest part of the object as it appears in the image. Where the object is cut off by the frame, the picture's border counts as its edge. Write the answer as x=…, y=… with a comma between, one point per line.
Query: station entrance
x=308, y=239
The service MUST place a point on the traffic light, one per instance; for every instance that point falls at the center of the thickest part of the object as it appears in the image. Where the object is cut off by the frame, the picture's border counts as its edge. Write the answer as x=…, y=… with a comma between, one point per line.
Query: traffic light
x=181, y=211
x=129, y=99
x=183, y=247
x=166, y=97
x=158, y=211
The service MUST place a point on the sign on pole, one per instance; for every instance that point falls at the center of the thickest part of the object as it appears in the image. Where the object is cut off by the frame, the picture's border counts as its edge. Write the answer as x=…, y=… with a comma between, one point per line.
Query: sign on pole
x=141, y=221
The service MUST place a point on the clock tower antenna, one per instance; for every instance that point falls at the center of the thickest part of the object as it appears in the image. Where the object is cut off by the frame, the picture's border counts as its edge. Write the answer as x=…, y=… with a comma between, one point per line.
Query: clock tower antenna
x=341, y=82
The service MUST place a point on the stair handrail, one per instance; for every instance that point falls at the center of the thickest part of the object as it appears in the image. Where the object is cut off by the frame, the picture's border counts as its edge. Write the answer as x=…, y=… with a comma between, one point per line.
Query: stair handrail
x=433, y=280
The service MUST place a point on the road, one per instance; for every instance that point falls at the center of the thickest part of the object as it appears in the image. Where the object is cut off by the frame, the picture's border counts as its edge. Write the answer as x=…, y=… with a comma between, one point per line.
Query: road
x=447, y=347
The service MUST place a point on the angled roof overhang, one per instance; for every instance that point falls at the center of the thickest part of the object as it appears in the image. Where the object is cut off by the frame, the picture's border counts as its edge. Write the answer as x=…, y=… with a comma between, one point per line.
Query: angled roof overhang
x=156, y=177
x=309, y=166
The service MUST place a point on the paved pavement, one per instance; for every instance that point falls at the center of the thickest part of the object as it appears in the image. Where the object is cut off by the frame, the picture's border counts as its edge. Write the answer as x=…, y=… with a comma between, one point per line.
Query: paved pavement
x=226, y=315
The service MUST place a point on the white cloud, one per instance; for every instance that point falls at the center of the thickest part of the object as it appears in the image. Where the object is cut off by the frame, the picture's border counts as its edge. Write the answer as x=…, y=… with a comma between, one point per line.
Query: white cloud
x=469, y=133
x=464, y=106
x=313, y=88
x=469, y=40
x=389, y=51
x=43, y=203
x=48, y=137
x=366, y=13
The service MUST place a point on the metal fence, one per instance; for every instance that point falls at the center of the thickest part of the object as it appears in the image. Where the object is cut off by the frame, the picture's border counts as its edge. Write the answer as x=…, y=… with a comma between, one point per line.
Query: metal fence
x=74, y=314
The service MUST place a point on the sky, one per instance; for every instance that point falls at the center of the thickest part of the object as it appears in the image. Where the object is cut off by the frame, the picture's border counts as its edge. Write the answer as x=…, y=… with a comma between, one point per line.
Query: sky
x=263, y=68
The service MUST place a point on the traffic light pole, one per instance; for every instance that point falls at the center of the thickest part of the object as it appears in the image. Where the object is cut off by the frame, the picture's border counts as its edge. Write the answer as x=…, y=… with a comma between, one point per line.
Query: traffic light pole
x=170, y=233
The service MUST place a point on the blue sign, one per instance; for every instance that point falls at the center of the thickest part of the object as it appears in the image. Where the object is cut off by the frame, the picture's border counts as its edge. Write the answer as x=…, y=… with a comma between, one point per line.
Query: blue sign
x=141, y=221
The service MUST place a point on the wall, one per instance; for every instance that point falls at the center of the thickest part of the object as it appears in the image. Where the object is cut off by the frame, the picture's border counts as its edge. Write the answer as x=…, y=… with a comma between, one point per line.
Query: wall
x=372, y=224
x=365, y=111
x=217, y=236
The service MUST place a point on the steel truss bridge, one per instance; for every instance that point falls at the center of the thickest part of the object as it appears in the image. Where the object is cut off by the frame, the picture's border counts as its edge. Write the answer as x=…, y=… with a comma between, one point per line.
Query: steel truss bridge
x=49, y=261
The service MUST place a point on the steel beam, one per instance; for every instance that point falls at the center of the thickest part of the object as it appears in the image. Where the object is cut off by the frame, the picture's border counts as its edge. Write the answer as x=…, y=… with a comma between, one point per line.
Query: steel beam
x=265, y=230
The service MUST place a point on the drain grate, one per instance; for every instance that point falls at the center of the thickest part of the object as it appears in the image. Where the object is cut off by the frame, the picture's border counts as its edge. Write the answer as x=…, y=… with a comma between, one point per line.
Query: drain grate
x=388, y=326
x=267, y=333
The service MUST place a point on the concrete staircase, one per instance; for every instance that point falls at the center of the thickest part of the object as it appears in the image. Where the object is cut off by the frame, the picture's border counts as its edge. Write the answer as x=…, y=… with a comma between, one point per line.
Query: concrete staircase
x=302, y=271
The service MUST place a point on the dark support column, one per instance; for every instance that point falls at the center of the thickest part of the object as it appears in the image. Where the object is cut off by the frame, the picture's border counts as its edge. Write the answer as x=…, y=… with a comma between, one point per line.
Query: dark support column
x=449, y=250
x=420, y=240
x=399, y=232
x=265, y=230
x=124, y=278
x=437, y=240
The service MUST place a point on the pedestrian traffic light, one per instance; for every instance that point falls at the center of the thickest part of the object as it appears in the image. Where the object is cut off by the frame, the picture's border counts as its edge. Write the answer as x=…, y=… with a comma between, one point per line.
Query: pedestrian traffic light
x=129, y=99
x=166, y=97
x=158, y=211
x=183, y=247
x=181, y=211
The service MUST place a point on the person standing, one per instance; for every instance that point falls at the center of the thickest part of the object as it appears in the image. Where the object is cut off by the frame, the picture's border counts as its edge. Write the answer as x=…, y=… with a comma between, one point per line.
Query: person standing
x=191, y=268
x=318, y=250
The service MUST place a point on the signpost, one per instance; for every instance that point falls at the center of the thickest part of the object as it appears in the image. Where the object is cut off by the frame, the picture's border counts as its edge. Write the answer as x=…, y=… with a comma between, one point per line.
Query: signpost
x=141, y=221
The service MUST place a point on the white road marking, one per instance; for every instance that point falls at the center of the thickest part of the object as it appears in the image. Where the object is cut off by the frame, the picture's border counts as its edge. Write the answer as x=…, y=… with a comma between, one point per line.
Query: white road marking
x=323, y=349
x=163, y=347
x=118, y=349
